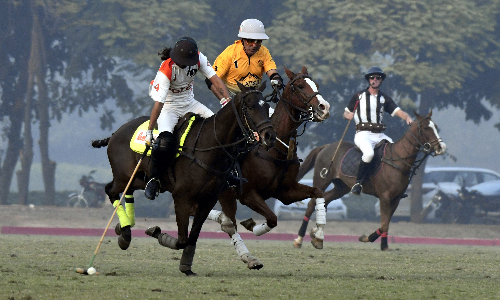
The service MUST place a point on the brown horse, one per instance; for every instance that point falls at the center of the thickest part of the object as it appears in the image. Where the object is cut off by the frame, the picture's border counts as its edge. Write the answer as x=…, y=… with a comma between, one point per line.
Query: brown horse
x=273, y=173
x=199, y=173
x=389, y=178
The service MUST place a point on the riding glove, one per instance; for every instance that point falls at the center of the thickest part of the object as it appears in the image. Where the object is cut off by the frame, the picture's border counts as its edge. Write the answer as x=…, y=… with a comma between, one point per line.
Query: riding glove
x=224, y=101
x=276, y=81
x=149, y=138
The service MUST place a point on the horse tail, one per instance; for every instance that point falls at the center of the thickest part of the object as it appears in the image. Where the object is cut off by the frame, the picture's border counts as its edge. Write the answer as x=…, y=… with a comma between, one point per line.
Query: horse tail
x=308, y=163
x=100, y=143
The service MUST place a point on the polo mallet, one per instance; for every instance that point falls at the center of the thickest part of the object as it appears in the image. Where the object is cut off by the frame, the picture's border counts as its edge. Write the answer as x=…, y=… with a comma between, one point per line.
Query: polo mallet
x=84, y=271
x=324, y=171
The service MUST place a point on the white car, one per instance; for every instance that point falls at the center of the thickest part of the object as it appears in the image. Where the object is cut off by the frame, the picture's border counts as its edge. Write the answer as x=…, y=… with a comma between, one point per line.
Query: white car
x=336, y=210
x=447, y=179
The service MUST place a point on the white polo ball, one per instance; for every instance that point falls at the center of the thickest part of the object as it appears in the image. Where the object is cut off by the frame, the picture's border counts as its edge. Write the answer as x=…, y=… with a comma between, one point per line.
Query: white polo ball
x=91, y=271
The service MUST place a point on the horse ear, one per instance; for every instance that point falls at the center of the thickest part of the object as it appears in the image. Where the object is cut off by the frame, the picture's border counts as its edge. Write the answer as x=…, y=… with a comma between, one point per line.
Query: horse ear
x=416, y=115
x=304, y=70
x=289, y=73
x=262, y=86
x=241, y=86
x=429, y=114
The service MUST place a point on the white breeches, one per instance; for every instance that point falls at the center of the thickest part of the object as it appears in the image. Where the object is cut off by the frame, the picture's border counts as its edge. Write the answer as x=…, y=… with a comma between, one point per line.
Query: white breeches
x=170, y=114
x=366, y=141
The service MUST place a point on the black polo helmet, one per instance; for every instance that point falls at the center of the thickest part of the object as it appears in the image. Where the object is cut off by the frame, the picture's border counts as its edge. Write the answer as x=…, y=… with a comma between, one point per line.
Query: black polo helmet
x=185, y=52
x=375, y=71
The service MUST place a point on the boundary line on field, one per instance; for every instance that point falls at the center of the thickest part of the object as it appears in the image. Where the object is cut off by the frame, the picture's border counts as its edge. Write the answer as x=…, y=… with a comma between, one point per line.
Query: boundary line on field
x=249, y=236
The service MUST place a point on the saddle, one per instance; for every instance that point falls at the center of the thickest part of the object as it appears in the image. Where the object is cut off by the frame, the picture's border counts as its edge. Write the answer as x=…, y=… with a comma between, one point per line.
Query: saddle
x=138, y=141
x=350, y=162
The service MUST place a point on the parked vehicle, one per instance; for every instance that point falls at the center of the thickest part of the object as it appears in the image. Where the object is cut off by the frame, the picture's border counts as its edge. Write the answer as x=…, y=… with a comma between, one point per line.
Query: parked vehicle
x=336, y=210
x=449, y=181
x=92, y=193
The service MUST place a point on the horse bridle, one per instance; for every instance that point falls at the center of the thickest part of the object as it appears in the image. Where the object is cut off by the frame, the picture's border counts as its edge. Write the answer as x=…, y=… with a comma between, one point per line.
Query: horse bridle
x=427, y=147
x=306, y=114
x=250, y=124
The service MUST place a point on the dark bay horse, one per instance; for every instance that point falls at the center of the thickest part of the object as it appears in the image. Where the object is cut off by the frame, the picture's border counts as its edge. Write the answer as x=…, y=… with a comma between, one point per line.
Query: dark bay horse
x=388, y=181
x=273, y=173
x=199, y=173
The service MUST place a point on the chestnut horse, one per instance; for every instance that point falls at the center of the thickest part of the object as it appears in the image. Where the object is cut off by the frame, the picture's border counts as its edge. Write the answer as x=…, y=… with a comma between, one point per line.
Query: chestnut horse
x=273, y=173
x=388, y=182
x=199, y=173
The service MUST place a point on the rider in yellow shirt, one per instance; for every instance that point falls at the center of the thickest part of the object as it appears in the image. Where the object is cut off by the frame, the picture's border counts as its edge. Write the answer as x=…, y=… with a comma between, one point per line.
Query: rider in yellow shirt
x=246, y=60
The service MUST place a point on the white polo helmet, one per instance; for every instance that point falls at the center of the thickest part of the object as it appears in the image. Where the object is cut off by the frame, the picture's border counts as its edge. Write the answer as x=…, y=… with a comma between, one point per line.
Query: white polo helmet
x=252, y=29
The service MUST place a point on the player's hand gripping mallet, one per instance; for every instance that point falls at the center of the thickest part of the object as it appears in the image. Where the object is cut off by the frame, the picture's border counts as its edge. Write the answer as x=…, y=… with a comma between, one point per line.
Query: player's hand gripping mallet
x=91, y=270
x=324, y=171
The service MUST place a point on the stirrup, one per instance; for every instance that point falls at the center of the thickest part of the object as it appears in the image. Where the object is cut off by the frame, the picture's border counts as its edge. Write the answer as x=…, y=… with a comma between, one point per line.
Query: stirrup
x=356, y=189
x=152, y=189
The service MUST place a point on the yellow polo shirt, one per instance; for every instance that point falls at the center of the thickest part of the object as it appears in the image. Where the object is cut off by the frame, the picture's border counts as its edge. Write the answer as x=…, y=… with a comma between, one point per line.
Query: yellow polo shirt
x=234, y=65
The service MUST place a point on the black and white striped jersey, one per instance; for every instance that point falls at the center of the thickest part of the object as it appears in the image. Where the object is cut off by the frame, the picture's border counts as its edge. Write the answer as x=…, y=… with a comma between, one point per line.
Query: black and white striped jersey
x=371, y=107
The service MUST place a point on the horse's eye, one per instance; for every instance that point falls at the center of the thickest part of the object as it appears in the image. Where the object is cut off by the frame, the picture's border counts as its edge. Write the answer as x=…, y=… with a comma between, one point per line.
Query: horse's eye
x=301, y=86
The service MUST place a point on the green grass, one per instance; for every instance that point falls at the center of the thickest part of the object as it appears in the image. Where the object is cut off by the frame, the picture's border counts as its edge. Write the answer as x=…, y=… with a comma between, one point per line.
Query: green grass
x=42, y=267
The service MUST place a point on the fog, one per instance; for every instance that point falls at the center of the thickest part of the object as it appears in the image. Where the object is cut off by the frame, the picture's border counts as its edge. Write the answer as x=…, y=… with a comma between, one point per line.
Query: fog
x=70, y=146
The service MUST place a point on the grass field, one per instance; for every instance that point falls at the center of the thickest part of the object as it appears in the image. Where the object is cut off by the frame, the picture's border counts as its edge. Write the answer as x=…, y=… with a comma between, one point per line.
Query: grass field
x=42, y=267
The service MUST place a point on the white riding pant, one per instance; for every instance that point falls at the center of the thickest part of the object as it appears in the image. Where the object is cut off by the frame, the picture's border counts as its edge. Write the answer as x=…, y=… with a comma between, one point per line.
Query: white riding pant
x=366, y=141
x=170, y=114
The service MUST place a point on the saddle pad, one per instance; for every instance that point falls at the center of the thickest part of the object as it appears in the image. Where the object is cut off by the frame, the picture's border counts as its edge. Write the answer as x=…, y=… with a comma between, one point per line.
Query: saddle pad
x=350, y=162
x=138, y=141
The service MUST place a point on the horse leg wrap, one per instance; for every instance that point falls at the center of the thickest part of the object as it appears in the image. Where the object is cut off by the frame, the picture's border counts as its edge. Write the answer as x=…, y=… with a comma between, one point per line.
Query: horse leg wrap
x=130, y=209
x=240, y=247
x=168, y=241
x=226, y=224
x=214, y=216
x=383, y=242
x=303, y=227
x=259, y=230
x=187, y=258
x=320, y=211
x=122, y=215
x=374, y=236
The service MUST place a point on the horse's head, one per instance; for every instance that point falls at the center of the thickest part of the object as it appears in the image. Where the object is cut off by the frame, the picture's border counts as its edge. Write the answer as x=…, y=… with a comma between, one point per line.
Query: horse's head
x=426, y=133
x=254, y=114
x=302, y=93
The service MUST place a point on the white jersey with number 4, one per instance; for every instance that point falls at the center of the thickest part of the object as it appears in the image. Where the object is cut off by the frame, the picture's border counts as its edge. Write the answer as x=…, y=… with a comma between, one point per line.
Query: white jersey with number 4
x=174, y=86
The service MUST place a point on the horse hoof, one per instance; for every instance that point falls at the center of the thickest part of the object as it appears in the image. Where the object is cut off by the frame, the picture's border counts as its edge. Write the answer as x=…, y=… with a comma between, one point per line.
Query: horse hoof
x=254, y=264
x=189, y=273
x=125, y=238
x=153, y=231
x=297, y=244
x=364, y=238
x=317, y=243
x=118, y=229
x=248, y=224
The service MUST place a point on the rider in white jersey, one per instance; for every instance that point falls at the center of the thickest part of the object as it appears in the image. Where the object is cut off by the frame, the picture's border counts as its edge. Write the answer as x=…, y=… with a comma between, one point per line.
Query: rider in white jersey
x=172, y=91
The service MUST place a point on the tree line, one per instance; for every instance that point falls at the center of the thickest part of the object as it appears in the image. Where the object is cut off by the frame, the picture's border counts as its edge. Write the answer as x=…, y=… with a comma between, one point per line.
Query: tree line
x=64, y=56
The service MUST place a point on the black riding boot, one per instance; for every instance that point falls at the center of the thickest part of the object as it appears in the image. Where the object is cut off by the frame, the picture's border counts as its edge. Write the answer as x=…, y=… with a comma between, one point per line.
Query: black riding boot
x=362, y=170
x=162, y=155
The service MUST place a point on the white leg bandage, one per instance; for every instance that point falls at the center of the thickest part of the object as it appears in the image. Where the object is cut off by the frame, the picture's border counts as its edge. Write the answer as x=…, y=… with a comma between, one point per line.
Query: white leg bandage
x=238, y=244
x=320, y=211
x=214, y=215
x=261, y=229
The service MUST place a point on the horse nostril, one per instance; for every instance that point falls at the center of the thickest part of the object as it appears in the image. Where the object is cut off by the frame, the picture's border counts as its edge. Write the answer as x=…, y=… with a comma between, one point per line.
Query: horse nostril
x=321, y=107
